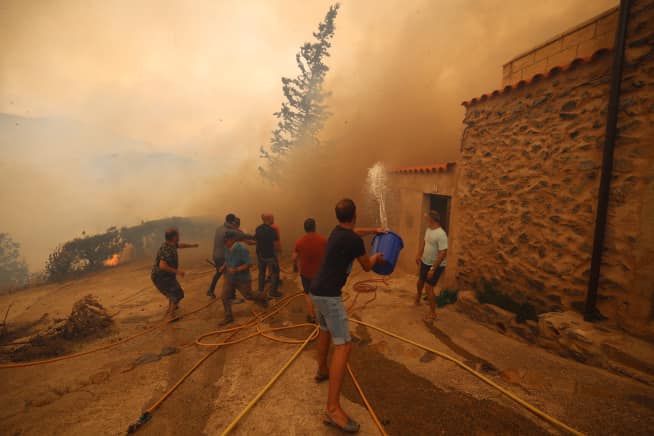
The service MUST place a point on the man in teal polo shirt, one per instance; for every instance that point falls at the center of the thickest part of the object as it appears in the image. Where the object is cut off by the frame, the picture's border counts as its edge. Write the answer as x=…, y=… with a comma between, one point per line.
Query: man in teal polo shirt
x=237, y=275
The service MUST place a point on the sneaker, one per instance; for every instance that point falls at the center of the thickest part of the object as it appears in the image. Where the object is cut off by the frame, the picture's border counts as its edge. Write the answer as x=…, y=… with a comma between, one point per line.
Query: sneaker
x=211, y=294
x=238, y=300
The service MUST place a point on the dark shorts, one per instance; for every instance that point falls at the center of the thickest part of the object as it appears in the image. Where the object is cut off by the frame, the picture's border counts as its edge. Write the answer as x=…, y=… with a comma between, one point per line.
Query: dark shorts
x=424, y=269
x=170, y=287
x=306, y=284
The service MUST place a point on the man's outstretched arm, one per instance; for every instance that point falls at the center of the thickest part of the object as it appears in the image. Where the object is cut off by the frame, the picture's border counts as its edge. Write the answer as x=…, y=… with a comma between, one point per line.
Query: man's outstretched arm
x=185, y=245
x=365, y=231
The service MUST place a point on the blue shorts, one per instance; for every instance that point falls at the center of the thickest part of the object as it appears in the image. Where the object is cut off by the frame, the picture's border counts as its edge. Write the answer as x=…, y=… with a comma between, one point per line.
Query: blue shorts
x=332, y=317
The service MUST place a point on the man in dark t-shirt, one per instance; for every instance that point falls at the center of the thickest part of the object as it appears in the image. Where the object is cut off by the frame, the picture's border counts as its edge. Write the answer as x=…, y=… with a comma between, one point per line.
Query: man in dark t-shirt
x=267, y=247
x=166, y=269
x=343, y=247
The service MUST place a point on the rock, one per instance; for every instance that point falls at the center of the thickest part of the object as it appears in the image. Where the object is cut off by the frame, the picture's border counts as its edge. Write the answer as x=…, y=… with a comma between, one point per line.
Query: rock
x=567, y=116
x=167, y=351
x=147, y=358
x=587, y=165
x=569, y=106
x=536, y=284
x=427, y=357
x=549, y=268
x=513, y=376
x=486, y=313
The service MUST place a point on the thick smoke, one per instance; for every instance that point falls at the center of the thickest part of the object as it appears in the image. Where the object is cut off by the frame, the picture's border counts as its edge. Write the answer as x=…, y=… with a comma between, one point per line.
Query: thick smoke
x=112, y=114
x=399, y=75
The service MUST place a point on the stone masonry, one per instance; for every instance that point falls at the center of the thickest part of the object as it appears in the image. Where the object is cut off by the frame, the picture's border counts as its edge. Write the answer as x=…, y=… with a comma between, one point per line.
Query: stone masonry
x=526, y=197
x=579, y=42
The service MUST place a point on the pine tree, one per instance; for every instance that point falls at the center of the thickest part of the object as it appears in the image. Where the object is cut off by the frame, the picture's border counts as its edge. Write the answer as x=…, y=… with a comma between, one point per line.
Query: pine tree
x=304, y=112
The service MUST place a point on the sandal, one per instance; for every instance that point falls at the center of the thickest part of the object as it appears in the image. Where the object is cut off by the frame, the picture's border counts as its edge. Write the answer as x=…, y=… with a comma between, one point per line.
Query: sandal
x=351, y=426
x=319, y=378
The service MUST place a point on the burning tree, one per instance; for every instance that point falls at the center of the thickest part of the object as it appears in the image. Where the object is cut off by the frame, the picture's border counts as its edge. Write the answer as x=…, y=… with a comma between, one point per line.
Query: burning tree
x=94, y=252
x=83, y=254
x=304, y=112
x=13, y=269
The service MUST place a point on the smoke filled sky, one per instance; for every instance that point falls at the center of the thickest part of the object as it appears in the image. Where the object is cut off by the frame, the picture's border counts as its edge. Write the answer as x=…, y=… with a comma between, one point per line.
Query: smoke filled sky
x=116, y=111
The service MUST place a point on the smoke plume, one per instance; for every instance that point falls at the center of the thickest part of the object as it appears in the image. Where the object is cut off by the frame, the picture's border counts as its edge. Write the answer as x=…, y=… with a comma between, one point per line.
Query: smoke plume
x=113, y=112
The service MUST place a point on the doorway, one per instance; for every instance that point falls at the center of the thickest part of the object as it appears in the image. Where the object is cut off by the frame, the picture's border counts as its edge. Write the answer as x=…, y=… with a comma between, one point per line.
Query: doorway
x=441, y=204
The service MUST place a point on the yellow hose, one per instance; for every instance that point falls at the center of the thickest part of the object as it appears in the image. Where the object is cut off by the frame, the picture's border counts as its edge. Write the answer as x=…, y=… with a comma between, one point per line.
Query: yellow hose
x=254, y=322
x=373, y=415
x=268, y=385
x=482, y=377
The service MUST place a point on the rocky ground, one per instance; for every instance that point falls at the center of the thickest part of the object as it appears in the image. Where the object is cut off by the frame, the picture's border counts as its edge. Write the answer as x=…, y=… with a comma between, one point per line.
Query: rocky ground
x=412, y=391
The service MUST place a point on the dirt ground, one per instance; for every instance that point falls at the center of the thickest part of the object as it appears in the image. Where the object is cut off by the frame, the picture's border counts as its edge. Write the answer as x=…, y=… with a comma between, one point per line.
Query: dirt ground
x=413, y=392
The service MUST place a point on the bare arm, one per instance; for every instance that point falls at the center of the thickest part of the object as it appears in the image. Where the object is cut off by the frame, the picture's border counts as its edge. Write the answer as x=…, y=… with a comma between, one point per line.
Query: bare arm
x=365, y=231
x=240, y=268
x=441, y=257
x=294, y=259
x=185, y=245
x=442, y=254
x=368, y=262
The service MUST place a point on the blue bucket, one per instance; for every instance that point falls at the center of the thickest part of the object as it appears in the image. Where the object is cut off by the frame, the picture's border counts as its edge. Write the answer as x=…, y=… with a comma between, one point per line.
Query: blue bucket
x=389, y=244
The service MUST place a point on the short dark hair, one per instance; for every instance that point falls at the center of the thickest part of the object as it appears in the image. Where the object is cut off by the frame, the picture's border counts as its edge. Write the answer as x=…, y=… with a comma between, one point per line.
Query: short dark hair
x=230, y=218
x=435, y=216
x=345, y=210
x=237, y=221
x=171, y=232
x=309, y=225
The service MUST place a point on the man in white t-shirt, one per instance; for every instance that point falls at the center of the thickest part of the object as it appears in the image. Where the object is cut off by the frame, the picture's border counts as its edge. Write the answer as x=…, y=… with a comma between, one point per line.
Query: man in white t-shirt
x=432, y=259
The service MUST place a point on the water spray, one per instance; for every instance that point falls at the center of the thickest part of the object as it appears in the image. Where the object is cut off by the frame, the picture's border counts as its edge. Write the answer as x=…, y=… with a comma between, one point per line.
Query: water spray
x=389, y=244
x=377, y=187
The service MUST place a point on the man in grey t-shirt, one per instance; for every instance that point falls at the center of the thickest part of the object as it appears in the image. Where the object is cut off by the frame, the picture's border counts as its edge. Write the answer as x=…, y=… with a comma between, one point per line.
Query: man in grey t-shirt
x=432, y=259
x=219, y=251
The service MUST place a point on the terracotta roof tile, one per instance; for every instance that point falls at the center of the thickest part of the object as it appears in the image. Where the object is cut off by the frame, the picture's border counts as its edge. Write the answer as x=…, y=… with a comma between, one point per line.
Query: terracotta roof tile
x=425, y=169
x=553, y=71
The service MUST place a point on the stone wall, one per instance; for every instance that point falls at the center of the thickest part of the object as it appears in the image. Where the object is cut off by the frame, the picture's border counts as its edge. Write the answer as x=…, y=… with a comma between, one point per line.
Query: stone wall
x=627, y=287
x=579, y=42
x=528, y=182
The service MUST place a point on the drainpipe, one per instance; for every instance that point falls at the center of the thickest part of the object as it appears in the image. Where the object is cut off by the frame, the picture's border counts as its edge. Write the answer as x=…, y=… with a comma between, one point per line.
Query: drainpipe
x=591, y=313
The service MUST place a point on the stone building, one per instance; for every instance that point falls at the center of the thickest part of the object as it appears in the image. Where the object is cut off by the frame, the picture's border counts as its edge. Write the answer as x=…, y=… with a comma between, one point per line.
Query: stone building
x=525, y=203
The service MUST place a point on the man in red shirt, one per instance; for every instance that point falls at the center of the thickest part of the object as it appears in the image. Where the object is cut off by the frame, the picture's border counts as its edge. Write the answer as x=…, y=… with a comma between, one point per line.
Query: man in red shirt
x=309, y=252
